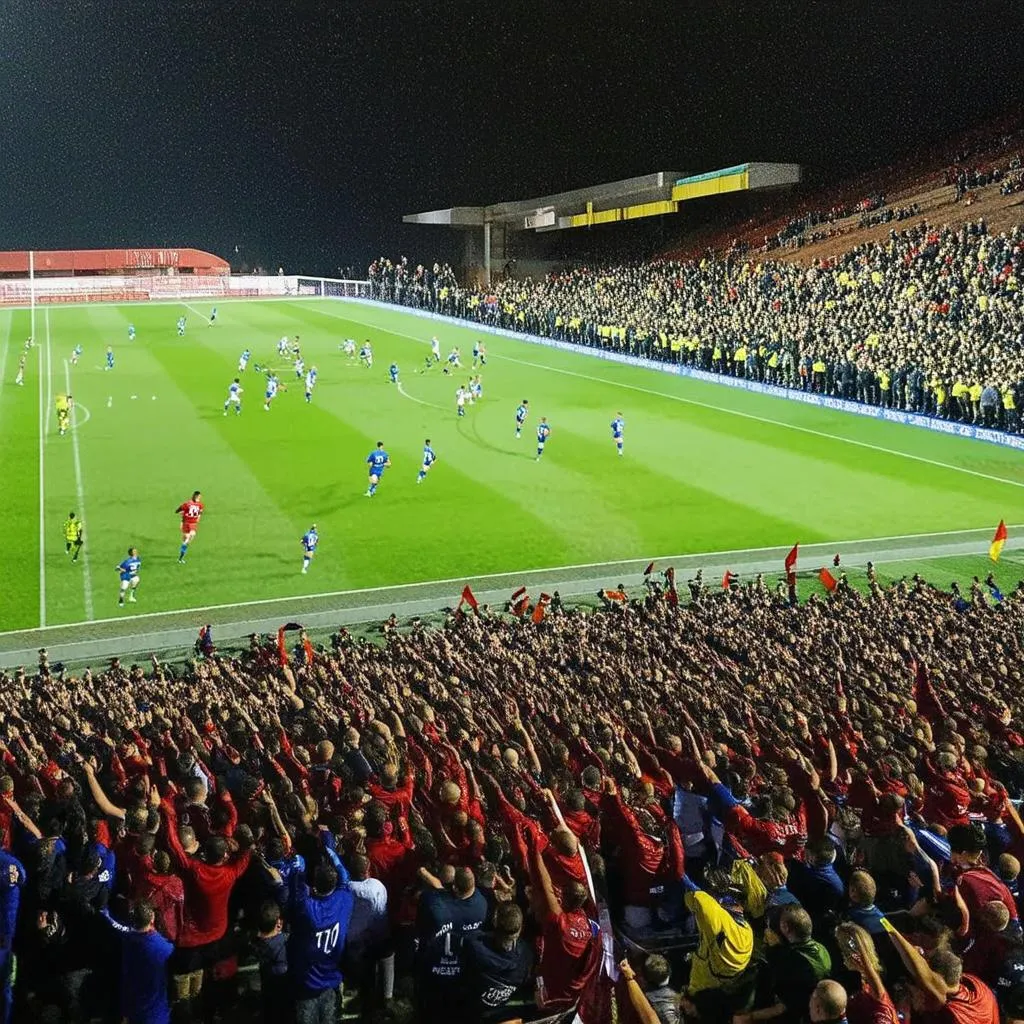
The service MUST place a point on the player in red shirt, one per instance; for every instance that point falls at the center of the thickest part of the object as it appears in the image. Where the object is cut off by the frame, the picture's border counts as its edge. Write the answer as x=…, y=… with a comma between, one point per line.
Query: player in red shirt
x=190, y=512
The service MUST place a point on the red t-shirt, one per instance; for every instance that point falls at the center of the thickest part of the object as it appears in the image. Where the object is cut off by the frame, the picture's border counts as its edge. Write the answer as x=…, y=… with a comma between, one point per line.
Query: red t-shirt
x=864, y=1008
x=981, y=885
x=190, y=512
x=569, y=956
x=974, y=1003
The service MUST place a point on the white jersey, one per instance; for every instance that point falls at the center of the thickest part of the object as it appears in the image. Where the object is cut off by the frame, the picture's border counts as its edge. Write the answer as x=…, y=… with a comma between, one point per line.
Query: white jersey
x=460, y=397
x=243, y=360
x=271, y=387
x=282, y=346
x=349, y=348
x=310, y=381
x=300, y=367
x=235, y=393
x=435, y=348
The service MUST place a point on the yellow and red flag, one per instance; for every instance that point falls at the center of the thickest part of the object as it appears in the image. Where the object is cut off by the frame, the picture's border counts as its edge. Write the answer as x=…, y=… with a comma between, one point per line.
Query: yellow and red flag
x=995, y=549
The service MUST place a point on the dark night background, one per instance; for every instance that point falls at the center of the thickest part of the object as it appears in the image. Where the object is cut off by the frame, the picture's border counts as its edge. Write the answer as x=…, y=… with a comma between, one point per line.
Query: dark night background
x=303, y=131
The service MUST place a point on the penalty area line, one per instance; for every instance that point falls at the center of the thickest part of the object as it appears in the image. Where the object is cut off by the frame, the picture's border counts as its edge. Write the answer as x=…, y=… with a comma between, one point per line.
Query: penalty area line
x=80, y=492
x=809, y=551
x=705, y=405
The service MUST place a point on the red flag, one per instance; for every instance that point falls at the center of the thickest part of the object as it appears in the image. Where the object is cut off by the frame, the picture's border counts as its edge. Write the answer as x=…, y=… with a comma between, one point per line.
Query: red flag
x=615, y=595
x=727, y=579
x=791, y=558
x=649, y=569
x=541, y=608
x=307, y=646
x=282, y=647
x=929, y=707
x=468, y=597
x=670, y=590
x=517, y=594
x=828, y=581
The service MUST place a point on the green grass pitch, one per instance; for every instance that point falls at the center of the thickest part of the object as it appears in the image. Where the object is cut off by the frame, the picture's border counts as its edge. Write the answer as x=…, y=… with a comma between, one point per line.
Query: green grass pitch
x=707, y=468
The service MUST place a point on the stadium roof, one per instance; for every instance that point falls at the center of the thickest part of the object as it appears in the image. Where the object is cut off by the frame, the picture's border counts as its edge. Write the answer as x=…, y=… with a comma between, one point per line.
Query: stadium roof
x=98, y=261
x=644, y=196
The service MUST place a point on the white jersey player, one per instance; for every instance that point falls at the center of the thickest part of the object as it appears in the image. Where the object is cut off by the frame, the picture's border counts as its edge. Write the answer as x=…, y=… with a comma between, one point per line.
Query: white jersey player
x=243, y=361
x=234, y=397
x=282, y=346
x=271, y=393
x=435, y=349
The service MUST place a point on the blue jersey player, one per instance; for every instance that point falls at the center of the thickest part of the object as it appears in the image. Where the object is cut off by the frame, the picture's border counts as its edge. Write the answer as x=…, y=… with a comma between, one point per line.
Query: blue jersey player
x=618, y=430
x=429, y=458
x=521, y=413
x=310, y=539
x=310, y=383
x=76, y=354
x=128, y=573
x=378, y=460
x=110, y=358
x=213, y=316
x=393, y=373
x=181, y=327
x=131, y=332
x=243, y=360
x=543, y=433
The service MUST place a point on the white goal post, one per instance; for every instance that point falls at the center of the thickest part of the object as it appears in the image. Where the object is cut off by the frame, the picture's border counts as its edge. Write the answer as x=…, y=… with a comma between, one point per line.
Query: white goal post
x=332, y=288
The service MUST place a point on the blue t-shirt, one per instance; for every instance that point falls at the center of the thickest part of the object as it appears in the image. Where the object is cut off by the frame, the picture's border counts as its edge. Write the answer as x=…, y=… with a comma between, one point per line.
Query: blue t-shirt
x=492, y=975
x=444, y=921
x=319, y=930
x=377, y=461
x=310, y=539
x=144, y=957
x=130, y=567
x=12, y=878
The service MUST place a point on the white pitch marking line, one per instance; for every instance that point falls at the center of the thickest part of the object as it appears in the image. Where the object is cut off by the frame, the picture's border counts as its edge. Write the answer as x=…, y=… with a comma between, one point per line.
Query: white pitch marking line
x=3, y=353
x=80, y=489
x=982, y=531
x=413, y=398
x=196, y=311
x=706, y=405
x=42, y=491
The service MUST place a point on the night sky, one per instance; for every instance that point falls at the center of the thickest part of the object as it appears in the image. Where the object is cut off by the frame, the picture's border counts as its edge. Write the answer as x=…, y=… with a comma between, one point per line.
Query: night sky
x=301, y=132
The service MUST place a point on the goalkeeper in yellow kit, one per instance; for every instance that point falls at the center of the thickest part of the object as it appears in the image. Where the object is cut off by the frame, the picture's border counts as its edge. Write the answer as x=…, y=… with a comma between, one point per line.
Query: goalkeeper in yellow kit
x=63, y=413
x=73, y=531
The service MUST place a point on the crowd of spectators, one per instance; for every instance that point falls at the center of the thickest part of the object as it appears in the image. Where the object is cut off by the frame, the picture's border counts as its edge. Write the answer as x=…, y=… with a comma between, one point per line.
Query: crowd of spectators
x=816, y=224
x=734, y=810
x=928, y=321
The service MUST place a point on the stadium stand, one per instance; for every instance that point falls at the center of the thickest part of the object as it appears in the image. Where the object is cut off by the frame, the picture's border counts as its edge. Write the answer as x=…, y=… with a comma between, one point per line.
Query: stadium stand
x=493, y=811
x=869, y=301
